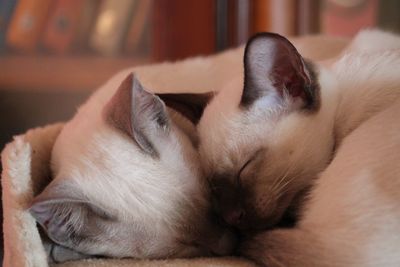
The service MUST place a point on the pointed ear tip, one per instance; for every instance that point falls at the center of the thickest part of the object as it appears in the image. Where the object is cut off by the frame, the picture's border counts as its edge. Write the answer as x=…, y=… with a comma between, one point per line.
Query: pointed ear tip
x=31, y=207
x=132, y=76
x=36, y=209
x=139, y=88
x=128, y=81
x=266, y=36
x=37, y=202
x=34, y=202
x=136, y=84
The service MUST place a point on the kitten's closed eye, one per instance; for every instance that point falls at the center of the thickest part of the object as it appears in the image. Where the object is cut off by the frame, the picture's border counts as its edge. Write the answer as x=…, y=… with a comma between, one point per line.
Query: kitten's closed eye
x=250, y=166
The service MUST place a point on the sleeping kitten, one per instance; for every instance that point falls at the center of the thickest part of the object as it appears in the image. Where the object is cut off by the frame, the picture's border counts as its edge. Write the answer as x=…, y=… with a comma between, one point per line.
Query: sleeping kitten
x=264, y=147
x=128, y=181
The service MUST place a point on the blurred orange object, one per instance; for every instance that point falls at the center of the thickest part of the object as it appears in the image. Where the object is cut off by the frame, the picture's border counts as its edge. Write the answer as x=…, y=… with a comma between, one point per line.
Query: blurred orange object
x=62, y=25
x=27, y=24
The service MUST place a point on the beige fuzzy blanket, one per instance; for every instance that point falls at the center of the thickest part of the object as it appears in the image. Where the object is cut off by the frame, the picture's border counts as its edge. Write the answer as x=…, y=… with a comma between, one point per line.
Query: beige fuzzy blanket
x=26, y=165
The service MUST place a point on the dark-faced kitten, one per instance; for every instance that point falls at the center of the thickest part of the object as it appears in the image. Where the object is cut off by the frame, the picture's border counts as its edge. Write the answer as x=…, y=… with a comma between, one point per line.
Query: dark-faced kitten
x=265, y=143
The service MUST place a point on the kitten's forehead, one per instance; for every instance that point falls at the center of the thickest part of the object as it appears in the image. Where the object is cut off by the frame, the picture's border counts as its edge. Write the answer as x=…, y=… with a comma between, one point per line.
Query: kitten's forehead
x=227, y=142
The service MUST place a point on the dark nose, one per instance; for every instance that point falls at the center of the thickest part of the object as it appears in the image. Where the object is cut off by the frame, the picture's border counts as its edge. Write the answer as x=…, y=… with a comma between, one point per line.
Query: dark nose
x=234, y=217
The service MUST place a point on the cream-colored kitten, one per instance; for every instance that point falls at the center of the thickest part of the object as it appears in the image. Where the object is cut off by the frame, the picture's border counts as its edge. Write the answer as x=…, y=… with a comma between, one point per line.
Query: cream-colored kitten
x=128, y=182
x=263, y=148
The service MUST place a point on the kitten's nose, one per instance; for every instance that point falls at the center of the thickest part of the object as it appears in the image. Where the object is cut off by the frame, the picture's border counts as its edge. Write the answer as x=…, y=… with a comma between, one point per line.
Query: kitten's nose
x=234, y=217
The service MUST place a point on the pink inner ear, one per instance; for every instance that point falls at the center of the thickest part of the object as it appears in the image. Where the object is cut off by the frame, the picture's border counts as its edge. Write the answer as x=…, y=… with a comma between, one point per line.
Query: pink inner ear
x=289, y=75
x=274, y=67
x=296, y=90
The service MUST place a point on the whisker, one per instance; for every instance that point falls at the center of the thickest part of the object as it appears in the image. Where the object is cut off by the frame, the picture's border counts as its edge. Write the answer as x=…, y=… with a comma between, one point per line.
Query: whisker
x=278, y=183
x=284, y=189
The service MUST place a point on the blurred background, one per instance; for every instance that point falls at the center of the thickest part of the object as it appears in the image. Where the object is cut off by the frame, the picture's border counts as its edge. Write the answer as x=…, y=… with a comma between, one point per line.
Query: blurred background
x=54, y=53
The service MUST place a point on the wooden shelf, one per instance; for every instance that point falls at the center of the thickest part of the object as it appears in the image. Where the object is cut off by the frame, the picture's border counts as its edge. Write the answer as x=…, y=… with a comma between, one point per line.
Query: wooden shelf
x=46, y=72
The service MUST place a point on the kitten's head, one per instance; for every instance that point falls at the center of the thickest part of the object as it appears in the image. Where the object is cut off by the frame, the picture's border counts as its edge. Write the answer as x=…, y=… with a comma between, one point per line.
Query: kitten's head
x=263, y=144
x=128, y=183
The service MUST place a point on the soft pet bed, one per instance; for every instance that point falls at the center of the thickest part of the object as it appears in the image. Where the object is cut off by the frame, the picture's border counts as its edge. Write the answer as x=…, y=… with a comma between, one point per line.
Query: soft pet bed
x=26, y=171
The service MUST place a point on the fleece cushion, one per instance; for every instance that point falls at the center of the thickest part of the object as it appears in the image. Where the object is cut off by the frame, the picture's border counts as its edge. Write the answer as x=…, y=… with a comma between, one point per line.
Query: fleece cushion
x=26, y=160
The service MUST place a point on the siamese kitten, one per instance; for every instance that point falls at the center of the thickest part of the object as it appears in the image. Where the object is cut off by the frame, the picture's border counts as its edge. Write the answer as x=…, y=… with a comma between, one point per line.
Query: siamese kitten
x=263, y=146
x=128, y=182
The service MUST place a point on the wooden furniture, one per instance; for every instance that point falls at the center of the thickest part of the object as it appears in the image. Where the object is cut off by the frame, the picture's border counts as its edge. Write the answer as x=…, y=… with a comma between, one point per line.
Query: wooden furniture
x=46, y=72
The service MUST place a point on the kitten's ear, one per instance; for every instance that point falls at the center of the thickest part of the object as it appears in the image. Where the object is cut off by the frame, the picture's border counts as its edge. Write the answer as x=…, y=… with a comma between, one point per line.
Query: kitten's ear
x=67, y=218
x=274, y=68
x=138, y=113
